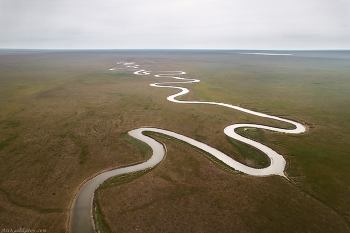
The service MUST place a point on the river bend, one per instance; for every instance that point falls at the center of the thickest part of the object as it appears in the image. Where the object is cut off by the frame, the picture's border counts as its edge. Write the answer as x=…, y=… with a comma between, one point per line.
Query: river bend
x=81, y=215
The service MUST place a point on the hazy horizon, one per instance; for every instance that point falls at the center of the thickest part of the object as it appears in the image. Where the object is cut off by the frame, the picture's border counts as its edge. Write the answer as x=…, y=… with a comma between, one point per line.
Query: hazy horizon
x=166, y=49
x=154, y=24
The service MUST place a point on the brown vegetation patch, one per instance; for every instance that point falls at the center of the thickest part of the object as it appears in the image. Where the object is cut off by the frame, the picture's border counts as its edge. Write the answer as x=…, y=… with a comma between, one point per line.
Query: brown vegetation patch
x=187, y=193
x=64, y=117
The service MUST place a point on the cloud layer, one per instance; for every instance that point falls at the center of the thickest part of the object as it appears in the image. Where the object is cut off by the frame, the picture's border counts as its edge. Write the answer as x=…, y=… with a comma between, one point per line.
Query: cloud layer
x=180, y=24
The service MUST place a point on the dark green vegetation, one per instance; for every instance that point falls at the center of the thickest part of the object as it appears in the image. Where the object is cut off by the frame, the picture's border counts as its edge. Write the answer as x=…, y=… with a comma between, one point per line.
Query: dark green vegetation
x=63, y=118
x=248, y=154
x=99, y=218
x=213, y=159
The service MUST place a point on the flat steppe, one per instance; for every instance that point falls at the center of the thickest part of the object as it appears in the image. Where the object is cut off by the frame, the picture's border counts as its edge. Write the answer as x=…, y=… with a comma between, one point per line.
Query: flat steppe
x=64, y=118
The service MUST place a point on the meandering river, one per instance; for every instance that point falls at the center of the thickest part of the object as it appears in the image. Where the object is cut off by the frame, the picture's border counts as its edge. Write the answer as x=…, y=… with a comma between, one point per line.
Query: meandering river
x=81, y=214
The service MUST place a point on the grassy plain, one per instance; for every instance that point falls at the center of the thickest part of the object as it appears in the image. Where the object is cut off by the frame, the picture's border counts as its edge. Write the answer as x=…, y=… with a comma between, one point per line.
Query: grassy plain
x=63, y=118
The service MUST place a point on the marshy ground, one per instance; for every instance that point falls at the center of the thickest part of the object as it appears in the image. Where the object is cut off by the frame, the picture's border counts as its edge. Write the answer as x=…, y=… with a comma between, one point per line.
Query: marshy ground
x=64, y=118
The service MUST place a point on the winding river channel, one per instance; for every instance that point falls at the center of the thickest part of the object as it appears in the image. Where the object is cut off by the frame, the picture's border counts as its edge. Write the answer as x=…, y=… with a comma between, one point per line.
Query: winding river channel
x=81, y=214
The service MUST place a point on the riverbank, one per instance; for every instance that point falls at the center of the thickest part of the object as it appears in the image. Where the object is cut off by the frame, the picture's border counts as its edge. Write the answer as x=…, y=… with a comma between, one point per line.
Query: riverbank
x=64, y=115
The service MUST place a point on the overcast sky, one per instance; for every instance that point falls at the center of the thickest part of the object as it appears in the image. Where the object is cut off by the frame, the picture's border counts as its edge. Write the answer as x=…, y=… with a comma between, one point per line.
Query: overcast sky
x=175, y=24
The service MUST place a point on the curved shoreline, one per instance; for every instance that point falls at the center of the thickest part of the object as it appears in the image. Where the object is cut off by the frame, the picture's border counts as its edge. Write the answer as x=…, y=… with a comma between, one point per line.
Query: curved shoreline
x=76, y=191
x=277, y=164
x=81, y=213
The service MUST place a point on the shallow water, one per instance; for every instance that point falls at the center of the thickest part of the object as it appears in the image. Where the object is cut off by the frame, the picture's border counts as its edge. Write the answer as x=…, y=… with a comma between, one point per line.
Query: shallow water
x=81, y=220
x=81, y=211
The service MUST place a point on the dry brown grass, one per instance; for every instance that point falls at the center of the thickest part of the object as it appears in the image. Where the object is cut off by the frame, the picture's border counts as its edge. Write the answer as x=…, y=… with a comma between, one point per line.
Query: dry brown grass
x=187, y=193
x=63, y=118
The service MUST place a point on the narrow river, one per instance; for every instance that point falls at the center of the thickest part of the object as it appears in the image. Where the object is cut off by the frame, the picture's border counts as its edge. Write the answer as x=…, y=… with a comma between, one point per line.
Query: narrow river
x=81, y=214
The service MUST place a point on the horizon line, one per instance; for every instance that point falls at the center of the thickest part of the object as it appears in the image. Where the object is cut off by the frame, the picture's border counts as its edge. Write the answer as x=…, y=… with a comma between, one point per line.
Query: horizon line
x=109, y=49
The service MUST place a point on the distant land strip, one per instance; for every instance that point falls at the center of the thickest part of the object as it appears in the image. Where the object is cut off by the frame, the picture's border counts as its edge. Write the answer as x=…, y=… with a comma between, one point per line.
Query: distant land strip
x=270, y=54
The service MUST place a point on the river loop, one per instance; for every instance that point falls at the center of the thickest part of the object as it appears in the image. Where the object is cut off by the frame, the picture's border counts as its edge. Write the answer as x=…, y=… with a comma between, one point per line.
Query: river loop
x=81, y=215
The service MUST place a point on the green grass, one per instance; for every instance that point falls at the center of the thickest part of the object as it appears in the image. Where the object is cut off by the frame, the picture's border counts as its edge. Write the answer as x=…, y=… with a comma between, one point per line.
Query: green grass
x=250, y=155
x=6, y=142
x=311, y=90
x=211, y=158
x=99, y=218
x=142, y=147
x=124, y=178
x=46, y=110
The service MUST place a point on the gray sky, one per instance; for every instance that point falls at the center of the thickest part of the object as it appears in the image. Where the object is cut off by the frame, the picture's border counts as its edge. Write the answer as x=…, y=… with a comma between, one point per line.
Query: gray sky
x=175, y=24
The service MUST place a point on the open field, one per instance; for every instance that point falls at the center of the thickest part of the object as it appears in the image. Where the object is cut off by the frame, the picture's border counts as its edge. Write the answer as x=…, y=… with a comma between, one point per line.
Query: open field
x=63, y=118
